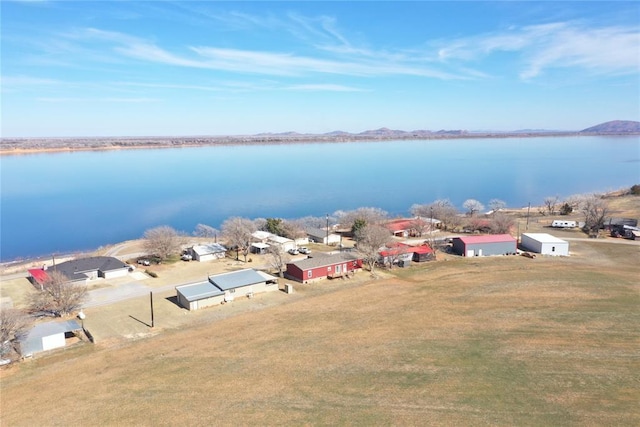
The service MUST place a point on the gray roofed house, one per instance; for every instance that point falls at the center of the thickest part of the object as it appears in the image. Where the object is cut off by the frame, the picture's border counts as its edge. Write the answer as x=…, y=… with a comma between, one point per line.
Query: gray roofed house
x=199, y=295
x=320, y=236
x=47, y=336
x=225, y=287
x=239, y=279
x=196, y=291
x=82, y=270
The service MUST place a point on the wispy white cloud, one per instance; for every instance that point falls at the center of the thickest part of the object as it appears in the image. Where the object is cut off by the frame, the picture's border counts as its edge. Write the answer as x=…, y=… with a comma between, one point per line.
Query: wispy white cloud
x=599, y=50
x=343, y=59
x=319, y=87
x=13, y=81
x=97, y=100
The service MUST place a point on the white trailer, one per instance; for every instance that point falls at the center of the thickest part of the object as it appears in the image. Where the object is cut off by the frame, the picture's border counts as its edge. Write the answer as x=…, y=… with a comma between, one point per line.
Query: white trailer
x=560, y=223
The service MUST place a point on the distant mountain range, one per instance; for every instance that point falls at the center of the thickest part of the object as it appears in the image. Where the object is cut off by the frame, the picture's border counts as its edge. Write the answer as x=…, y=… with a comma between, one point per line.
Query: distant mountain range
x=612, y=127
x=16, y=145
x=615, y=127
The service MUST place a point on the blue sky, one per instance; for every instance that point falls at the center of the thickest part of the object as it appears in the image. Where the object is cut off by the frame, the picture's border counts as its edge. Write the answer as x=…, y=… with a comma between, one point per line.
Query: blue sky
x=134, y=68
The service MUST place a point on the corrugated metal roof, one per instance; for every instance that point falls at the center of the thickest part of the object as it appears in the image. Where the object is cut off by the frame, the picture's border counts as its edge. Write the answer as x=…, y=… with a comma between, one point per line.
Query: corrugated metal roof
x=32, y=343
x=238, y=279
x=198, y=291
x=39, y=275
x=487, y=238
x=211, y=248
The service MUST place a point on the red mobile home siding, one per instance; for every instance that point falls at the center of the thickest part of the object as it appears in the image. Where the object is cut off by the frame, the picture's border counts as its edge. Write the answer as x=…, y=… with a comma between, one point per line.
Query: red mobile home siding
x=302, y=272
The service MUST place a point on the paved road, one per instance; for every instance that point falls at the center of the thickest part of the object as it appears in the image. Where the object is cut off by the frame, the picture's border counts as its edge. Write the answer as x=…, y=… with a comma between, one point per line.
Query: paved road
x=106, y=296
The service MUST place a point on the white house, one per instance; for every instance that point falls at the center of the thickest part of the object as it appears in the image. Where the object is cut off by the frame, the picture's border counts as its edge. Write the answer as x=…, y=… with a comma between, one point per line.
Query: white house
x=544, y=244
x=208, y=252
x=283, y=242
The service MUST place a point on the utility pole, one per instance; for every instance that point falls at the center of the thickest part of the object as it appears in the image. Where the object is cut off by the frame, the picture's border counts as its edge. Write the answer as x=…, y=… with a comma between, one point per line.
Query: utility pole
x=528, y=209
x=327, y=229
x=151, y=300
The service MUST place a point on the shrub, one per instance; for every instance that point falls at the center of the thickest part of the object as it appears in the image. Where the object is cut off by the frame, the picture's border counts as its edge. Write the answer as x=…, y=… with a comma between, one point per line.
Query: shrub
x=635, y=190
x=151, y=273
x=566, y=209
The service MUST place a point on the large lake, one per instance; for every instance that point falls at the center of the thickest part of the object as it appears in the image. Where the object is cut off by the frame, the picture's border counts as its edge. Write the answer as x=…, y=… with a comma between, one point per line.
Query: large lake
x=67, y=202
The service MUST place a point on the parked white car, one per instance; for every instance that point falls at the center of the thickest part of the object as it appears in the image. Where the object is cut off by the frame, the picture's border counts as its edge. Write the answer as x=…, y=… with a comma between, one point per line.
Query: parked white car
x=304, y=250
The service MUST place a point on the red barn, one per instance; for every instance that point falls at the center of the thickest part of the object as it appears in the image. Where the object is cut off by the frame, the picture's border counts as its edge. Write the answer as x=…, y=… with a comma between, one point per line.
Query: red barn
x=321, y=266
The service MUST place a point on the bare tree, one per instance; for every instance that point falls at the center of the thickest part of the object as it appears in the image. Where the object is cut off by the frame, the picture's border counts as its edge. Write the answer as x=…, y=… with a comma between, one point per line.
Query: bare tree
x=370, y=239
x=441, y=209
x=315, y=221
x=550, y=204
x=162, y=241
x=497, y=204
x=14, y=325
x=472, y=206
x=238, y=232
x=595, y=210
x=501, y=223
x=420, y=226
x=278, y=258
x=363, y=216
x=293, y=230
x=207, y=231
x=58, y=296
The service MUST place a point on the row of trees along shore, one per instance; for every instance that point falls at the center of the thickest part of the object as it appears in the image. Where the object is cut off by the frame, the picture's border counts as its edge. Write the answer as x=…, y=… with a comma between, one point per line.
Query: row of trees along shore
x=57, y=297
x=366, y=225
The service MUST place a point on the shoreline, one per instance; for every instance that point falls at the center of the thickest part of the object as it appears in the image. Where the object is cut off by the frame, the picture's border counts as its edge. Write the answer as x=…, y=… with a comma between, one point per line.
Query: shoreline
x=118, y=249
x=26, y=146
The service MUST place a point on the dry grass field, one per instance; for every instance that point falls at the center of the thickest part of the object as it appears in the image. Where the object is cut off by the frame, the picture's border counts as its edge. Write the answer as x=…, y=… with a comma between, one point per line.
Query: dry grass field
x=489, y=341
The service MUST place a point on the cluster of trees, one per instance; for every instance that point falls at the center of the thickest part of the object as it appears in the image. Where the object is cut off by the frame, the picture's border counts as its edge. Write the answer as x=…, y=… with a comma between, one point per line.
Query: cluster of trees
x=164, y=241
x=593, y=207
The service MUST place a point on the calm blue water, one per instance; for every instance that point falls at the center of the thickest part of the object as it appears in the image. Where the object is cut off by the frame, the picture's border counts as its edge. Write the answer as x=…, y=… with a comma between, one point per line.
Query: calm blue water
x=61, y=203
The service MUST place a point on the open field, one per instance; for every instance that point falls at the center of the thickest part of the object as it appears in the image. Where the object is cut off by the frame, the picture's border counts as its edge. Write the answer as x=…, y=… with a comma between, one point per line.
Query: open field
x=491, y=341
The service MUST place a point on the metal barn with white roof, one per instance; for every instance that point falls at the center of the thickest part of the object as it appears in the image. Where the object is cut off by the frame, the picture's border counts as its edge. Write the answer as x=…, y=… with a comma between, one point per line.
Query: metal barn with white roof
x=544, y=244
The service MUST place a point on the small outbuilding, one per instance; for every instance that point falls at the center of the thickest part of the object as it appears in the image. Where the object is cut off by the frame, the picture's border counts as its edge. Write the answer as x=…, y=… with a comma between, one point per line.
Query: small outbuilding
x=485, y=245
x=319, y=235
x=48, y=336
x=208, y=252
x=545, y=244
x=423, y=253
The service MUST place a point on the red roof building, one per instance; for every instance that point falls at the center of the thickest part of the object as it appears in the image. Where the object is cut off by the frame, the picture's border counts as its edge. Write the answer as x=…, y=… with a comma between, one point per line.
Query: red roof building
x=484, y=245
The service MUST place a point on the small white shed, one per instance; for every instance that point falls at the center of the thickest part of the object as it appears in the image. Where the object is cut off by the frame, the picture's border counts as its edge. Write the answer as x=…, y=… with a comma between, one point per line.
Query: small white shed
x=545, y=244
x=208, y=252
x=48, y=336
